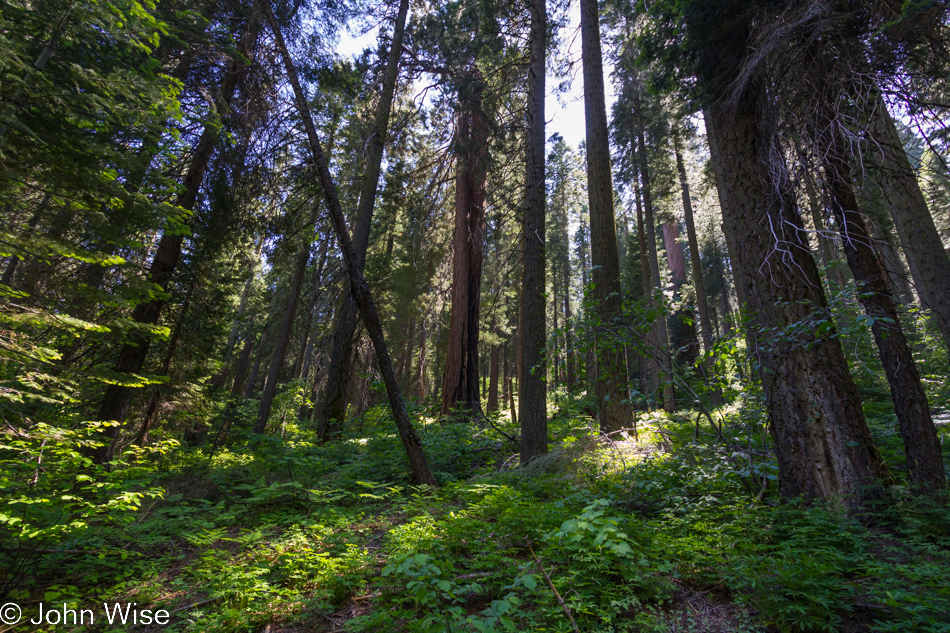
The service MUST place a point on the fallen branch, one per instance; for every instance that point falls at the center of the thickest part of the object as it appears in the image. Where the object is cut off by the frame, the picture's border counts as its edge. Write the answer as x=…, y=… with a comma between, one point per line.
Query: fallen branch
x=511, y=439
x=564, y=606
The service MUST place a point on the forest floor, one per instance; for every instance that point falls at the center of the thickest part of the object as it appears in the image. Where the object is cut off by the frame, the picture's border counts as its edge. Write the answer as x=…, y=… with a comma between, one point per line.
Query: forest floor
x=671, y=530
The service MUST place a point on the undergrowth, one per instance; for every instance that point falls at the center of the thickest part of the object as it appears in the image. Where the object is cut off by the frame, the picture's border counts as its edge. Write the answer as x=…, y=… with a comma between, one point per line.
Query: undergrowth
x=672, y=530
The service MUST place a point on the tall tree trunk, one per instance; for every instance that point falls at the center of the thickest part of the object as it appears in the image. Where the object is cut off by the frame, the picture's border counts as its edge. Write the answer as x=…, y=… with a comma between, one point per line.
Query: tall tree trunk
x=822, y=441
x=555, y=351
x=493, y=380
x=155, y=400
x=242, y=304
x=926, y=257
x=285, y=329
x=611, y=363
x=683, y=336
x=410, y=352
x=649, y=365
x=532, y=403
x=659, y=334
x=421, y=372
x=897, y=279
x=116, y=400
x=568, y=325
x=829, y=257
x=590, y=361
x=240, y=370
x=358, y=286
x=256, y=369
x=921, y=443
x=220, y=379
x=504, y=369
x=305, y=410
x=305, y=343
x=460, y=380
x=696, y=265
x=333, y=408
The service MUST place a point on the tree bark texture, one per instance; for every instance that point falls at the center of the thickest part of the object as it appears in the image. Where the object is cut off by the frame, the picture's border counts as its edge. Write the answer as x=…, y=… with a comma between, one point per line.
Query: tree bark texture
x=822, y=441
x=460, y=380
x=533, y=397
x=611, y=385
x=921, y=443
x=358, y=286
x=897, y=279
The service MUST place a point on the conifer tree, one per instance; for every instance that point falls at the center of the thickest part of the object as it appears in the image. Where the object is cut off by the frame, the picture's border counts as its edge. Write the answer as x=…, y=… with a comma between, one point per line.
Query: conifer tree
x=611, y=386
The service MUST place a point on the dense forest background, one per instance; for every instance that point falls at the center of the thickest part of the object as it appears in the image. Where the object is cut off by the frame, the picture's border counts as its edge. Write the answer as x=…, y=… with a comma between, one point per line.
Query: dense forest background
x=292, y=340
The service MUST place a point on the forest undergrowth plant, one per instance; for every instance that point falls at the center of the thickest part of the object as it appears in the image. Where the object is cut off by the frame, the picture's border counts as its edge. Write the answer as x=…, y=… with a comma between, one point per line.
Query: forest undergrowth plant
x=52, y=497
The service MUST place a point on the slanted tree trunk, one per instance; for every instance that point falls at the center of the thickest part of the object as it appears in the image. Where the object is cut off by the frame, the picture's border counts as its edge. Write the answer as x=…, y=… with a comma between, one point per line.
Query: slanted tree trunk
x=155, y=399
x=875, y=209
x=533, y=397
x=285, y=329
x=242, y=304
x=460, y=380
x=822, y=441
x=921, y=443
x=897, y=280
x=220, y=379
x=256, y=369
x=358, y=286
x=658, y=334
x=240, y=371
x=611, y=363
x=333, y=408
x=116, y=400
x=829, y=257
x=926, y=257
x=696, y=266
